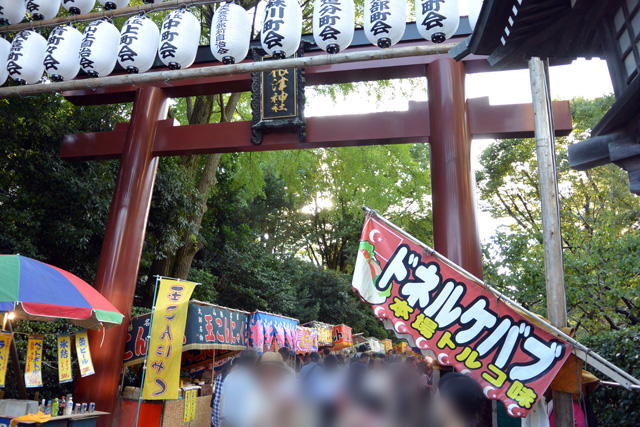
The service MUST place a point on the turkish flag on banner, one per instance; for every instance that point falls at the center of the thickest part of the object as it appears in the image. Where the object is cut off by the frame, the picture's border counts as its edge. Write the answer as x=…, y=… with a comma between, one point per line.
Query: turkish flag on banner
x=436, y=305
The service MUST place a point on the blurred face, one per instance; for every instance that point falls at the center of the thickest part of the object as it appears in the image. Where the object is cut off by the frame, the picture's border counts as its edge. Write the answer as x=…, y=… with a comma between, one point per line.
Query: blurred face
x=269, y=375
x=445, y=414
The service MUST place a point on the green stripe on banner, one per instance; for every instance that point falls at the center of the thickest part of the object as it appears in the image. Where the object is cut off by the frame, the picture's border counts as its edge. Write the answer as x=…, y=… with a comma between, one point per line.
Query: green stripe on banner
x=9, y=278
x=109, y=317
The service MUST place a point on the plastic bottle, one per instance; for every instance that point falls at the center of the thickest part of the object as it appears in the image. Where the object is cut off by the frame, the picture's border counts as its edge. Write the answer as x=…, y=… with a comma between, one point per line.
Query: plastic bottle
x=69, y=409
x=63, y=402
x=42, y=407
x=54, y=407
x=48, y=408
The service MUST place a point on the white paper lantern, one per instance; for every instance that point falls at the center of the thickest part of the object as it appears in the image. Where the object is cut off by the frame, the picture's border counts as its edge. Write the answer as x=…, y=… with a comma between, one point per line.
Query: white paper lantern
x=138, y=42
x=114, y=4
x=230, y=34
x=437, y=20
x=333, y=24
x=12, y=11
x=61, y=62
x=5, y=47
x=385, y=21
x=99, y=48
x=179, y=39
x=281, y=28
x=43, y=9
x=24, y=62
x=78, y=7
x=475, y=6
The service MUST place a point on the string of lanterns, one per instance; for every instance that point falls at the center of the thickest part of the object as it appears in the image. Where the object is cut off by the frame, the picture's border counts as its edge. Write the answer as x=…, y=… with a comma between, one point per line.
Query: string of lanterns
x=102, y=45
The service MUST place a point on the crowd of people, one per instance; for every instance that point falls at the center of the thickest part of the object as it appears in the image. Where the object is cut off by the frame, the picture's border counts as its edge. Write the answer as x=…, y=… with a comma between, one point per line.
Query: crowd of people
x=330, y=390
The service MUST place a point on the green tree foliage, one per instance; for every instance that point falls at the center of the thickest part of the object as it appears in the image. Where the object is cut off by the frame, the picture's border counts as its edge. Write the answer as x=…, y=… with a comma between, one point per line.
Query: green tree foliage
x=617, y=407
x=53, y=210
x=599, y=229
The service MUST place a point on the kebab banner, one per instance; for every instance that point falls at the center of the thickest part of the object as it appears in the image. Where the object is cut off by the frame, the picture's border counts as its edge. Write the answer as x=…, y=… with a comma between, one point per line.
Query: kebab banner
x=5, y=342
x=435, y=305
x=162, y=378
x=33, y=368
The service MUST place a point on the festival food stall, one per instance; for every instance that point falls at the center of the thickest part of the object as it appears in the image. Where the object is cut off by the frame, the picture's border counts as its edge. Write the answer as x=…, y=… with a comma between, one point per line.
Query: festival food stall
x=306, y=340
x=212, y=335
x=324, y=333
x=35, y=291
x=371, y=344
x=342, y=337
x=270, y=332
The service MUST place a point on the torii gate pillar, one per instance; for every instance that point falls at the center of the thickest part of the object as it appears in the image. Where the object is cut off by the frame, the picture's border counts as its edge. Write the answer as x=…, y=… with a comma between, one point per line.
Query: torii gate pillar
x=122, y=247
x=447, y=122
x=455, y=229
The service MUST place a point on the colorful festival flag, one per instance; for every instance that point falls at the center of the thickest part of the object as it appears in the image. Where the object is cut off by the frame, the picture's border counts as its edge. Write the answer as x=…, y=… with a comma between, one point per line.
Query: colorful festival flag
x=84, y=354
x=64, y=359
x=162, y=376
x=33, y=370
x=5, y=342
x=434, y=304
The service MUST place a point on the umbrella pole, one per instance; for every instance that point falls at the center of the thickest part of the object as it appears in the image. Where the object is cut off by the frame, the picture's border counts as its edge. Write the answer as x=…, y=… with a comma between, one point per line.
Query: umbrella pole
x=15, y=362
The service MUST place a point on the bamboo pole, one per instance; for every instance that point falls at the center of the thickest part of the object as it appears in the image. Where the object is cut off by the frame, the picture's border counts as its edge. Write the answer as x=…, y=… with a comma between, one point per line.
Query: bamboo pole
x=550, y=210
x=117, y=13
x=225, y=70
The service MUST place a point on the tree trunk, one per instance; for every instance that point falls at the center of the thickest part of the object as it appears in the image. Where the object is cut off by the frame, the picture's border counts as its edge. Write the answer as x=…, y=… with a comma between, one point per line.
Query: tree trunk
x=190, y=242
x=179, y=263
x=159, y=267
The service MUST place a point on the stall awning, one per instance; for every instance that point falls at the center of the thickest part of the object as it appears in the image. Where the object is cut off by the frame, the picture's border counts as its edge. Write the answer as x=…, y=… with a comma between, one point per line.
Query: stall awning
x=209, y=327
x=266, y=331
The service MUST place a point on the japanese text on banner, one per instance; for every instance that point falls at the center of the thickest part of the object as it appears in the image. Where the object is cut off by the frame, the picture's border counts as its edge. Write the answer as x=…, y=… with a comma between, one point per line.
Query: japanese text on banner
x=5, y=342
x=64, y=359
x=194, y=399
x=162, y=376
x=84, y=355
x=190, y=397
x=33, y=370
x=187, y=406
x=435, y=305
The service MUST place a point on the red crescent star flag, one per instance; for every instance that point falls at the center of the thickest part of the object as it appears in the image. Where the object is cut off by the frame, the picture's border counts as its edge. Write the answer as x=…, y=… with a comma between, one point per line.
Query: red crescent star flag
x=436, y=305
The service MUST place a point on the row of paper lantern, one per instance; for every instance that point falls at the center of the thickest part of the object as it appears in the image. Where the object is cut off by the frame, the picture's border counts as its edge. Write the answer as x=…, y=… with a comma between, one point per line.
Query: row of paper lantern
x=14, y=11
x=97, y=50
x=134, y=48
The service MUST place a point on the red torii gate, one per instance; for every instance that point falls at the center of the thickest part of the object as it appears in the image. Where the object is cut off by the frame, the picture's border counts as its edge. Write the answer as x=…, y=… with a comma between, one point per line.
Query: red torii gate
x=448, y=122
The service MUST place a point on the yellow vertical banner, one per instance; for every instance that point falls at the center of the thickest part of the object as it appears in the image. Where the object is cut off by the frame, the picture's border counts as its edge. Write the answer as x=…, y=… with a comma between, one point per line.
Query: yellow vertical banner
x=5, y=342
x=193, y=403
x=162, y=376
x=84, y=354
x=33, y=369
x=64, y=359
x=187, y=406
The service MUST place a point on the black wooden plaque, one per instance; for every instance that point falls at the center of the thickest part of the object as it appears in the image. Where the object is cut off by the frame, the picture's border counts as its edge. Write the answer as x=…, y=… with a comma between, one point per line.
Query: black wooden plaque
x=277, y=100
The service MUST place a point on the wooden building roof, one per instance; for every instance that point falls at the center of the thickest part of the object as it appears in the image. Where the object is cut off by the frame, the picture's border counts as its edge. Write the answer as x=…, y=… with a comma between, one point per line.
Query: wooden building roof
x=512, y=31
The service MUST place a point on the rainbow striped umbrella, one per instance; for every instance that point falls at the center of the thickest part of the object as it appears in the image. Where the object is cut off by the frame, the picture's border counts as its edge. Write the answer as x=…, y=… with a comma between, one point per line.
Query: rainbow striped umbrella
x=38, y=291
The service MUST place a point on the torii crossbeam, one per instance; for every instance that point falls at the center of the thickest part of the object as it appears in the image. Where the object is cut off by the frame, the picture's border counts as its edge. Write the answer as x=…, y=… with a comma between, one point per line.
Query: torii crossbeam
x=447, y=121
